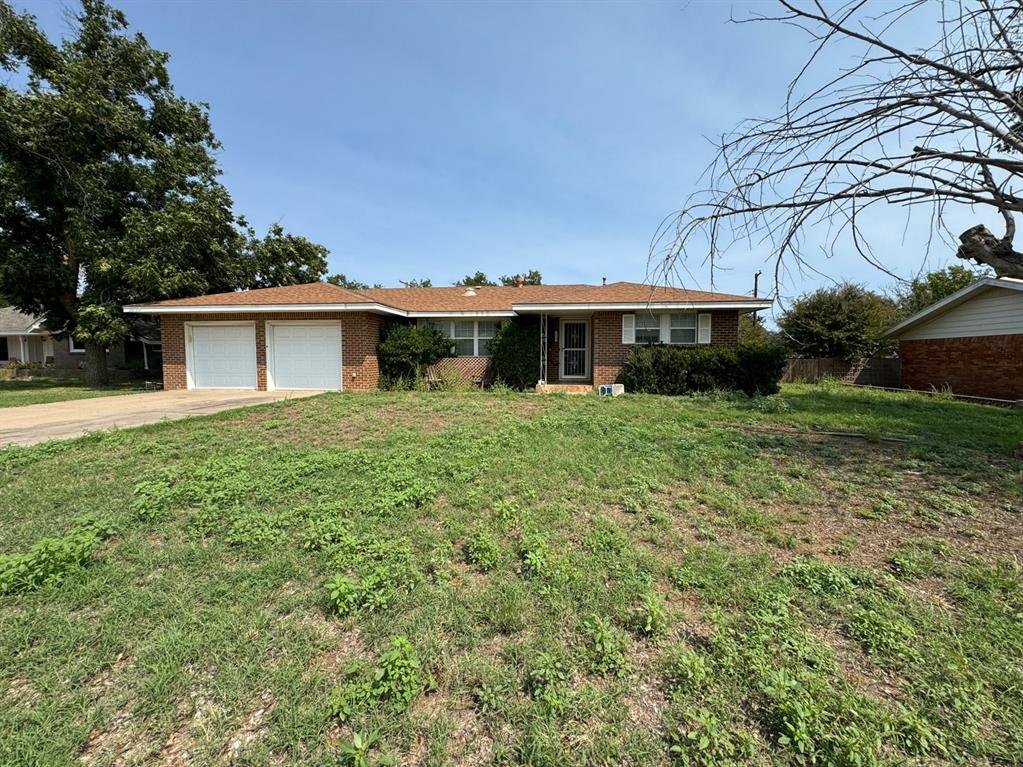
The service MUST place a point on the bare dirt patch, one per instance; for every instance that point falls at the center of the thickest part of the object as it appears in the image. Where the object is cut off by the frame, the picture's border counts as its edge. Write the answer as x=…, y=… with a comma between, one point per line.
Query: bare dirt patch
x=122, y=742
x=253, y=726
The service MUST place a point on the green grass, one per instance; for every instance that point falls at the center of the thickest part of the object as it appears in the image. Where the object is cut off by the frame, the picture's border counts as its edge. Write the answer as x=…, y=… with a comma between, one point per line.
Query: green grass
x=36, y=391
x=512, y=579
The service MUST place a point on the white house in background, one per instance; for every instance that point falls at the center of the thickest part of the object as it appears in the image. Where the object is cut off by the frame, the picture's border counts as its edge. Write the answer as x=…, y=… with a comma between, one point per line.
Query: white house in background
x=24, y=339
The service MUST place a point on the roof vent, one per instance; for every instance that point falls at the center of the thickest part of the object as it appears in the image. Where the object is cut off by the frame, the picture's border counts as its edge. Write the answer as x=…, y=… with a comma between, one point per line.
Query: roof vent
x=469, y=291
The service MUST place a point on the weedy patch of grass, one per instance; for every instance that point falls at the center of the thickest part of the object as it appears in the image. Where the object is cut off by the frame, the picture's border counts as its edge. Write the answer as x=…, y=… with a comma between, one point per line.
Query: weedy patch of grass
x=460, y=577
x=395, y=682
x=920, y=557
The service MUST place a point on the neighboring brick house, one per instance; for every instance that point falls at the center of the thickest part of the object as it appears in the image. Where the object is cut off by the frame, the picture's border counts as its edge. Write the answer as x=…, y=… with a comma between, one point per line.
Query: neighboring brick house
x=324, y=337
x=970, y=342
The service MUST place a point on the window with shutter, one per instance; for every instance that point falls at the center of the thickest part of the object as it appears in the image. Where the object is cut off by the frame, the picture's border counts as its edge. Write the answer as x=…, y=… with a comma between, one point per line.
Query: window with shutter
x=703, y=329
x=628, y=328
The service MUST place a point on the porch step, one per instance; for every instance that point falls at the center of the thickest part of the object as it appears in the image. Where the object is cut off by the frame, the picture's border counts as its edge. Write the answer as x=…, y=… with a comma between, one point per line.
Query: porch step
x=564, y=388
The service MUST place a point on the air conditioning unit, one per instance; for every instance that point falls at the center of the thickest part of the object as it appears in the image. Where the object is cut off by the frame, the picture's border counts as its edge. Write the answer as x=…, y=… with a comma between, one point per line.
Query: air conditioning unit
x=612, y=390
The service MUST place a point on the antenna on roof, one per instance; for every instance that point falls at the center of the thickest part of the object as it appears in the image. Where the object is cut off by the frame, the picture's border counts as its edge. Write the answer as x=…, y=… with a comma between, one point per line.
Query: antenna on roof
x=756, y=283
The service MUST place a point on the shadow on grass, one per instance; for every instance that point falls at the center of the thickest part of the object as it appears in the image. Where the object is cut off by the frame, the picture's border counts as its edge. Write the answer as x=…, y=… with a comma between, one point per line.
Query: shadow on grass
x=942, y=423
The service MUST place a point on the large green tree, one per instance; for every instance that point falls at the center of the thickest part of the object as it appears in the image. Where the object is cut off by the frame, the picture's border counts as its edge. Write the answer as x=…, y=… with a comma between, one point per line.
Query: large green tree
x=844, y=321
x=477, y=280
x=283, y=259
x=109, y=192
x=934, y=286
x=532, y=277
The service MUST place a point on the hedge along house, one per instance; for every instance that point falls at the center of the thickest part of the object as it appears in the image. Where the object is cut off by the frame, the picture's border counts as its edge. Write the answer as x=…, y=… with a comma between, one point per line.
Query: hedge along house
x=320, y=336
x=970, y=342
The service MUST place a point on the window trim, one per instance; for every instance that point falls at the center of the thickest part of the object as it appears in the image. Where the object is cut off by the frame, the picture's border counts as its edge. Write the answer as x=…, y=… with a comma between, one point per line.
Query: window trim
x=695, y=328
x=664, y=328
x=449, y=324
x=71, y=346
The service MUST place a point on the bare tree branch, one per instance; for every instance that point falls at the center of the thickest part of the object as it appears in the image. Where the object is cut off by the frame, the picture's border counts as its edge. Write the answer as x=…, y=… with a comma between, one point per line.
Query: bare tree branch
x=836, y=150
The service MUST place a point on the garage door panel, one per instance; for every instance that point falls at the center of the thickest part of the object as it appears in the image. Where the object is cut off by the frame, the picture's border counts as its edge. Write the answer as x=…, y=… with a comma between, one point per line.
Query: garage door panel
x=223, y=356
x=306, y=356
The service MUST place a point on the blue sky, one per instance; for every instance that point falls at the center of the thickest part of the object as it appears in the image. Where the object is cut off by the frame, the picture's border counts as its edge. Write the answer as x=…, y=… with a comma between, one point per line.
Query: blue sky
x=434, y=139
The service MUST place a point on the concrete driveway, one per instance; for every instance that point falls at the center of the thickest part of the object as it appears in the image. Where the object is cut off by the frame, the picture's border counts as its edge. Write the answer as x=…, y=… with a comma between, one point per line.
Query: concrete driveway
x=30, y=424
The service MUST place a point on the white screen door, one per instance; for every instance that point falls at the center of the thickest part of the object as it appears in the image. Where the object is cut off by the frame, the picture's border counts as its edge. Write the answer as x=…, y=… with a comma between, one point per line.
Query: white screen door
x=574, y=349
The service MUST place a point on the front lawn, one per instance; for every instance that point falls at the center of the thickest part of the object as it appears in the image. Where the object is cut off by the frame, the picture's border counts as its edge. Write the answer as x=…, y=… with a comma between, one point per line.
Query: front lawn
x=35, y=391
x=514, y=579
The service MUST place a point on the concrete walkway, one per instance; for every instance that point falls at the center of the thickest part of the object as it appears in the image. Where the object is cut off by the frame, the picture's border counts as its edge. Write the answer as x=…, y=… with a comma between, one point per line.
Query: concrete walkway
x=30, y=424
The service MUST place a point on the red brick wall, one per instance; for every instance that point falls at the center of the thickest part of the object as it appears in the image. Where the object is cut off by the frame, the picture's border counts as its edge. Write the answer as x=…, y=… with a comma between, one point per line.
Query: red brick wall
x=609, y=353
x=360, y=333
x=979, y=366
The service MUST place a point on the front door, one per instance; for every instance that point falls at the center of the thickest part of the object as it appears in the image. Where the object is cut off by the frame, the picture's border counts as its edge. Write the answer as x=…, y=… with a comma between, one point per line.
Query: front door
x=575, y=349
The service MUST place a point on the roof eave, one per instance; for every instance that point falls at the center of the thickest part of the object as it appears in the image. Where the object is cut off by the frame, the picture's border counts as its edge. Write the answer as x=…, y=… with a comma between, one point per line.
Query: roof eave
x=752, y=305
x=248, y=308
x=951, y=301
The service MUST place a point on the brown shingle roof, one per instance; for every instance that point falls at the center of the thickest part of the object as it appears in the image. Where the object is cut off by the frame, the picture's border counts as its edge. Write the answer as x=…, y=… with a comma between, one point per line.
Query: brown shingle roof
x=489, y=299
x=457, y=299
x=309, y=293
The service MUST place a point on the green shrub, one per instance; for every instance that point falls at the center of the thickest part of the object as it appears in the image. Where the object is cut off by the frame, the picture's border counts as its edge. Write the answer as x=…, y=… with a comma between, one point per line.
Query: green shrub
x=672, y=370
x=515, y=353
x=356, y=753
x=818, y=725
x=535, y=555
x=406, y=351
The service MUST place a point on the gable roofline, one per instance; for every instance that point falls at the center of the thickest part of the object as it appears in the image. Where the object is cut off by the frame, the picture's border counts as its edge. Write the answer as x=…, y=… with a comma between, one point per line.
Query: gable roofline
x=949, y=302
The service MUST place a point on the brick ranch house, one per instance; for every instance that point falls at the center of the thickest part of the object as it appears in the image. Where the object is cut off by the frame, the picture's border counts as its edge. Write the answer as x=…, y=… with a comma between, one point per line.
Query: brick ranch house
x=320, y=336
x=970, y=342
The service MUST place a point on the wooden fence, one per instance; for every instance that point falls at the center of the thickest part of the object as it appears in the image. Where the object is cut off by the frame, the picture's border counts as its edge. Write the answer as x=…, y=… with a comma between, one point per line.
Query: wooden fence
x=878, y=371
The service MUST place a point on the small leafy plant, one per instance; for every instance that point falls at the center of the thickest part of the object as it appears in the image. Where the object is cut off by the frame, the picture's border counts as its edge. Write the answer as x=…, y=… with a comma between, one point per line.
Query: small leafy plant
x=395, y=682
x=606, y=647
x=547, y=682
x=535, y=554
x=882, y=633
x=650, y=617
x=704, y=741
x=482, y=550
x=356, y=752
x=685, y=671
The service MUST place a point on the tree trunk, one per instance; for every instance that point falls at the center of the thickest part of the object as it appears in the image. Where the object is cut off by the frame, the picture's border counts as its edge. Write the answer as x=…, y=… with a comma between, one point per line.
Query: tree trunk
x=96, y=373
x=980, y=245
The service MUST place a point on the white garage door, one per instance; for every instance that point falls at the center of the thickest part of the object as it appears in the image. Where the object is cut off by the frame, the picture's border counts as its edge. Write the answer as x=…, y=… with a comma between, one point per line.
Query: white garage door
x=223, y=356
x=305, y=356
